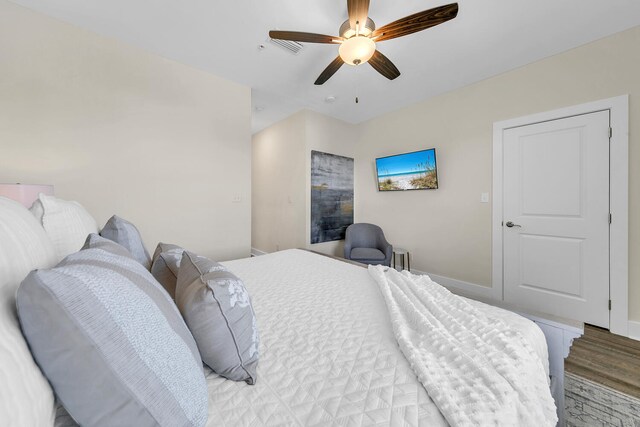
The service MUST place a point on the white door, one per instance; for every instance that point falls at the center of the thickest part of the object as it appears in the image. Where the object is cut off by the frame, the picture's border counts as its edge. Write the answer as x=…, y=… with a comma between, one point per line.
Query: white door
x=556, y=217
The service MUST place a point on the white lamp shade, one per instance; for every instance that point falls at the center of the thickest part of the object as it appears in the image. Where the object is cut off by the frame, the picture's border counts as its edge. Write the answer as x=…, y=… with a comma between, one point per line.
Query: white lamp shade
x=25, y=193
x=357, y=50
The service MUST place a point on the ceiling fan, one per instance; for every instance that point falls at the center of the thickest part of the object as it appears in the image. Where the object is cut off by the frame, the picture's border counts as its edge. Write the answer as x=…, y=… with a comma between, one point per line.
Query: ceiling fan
x=358, y=37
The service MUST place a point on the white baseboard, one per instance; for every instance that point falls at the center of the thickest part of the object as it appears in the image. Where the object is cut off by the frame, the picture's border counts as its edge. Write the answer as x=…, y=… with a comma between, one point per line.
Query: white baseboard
x=469, y=288
x=257, y=252
x=634, y=330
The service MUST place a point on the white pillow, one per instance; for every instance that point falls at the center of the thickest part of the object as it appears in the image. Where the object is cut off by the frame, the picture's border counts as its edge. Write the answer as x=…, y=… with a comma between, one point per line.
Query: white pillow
x=26, y=399
x=67, y=223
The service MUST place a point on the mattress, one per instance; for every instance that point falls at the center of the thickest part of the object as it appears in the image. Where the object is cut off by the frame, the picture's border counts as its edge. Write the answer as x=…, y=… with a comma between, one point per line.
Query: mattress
x=328, y=355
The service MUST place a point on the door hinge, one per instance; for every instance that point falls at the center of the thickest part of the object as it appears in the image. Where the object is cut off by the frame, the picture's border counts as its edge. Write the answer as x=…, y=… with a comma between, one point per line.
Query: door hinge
x=610, y=132
x=609, y=305
x=610, y=218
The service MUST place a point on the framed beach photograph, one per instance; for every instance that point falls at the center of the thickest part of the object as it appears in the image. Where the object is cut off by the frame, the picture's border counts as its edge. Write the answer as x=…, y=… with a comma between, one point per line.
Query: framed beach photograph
x=409, y=171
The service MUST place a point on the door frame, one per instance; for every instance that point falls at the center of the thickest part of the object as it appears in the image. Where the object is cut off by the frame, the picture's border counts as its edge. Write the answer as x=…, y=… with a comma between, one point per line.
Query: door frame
x=618, y=108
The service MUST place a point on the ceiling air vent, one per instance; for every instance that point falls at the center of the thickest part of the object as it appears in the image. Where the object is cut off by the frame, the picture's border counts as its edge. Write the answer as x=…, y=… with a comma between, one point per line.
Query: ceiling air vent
x=289, y=46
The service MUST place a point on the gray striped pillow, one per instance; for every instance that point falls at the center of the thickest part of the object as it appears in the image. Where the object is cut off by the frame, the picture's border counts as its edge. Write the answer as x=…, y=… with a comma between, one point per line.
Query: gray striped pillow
x=126, y=234
x=112, y=343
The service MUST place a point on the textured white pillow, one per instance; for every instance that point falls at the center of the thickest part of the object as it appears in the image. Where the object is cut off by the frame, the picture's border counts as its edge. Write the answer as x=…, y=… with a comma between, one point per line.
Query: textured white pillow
x=26, y=398
x=67, y=223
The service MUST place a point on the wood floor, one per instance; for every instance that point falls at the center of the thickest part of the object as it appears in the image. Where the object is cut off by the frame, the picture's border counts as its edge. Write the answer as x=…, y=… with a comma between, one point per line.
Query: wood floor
x=606, y=359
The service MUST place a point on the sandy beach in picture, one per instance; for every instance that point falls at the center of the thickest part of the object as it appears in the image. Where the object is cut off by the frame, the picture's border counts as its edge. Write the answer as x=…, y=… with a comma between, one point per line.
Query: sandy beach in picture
x=400, y=182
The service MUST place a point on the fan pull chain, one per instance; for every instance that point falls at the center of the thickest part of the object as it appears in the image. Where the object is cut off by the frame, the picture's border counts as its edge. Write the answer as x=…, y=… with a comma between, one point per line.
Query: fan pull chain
x=357, y=84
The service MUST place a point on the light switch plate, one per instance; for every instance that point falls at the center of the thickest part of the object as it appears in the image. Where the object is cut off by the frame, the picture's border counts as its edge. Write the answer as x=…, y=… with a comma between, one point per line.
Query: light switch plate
x=484, y=198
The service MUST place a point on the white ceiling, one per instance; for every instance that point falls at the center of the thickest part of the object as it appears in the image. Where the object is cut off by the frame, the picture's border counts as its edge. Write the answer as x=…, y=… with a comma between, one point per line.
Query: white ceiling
x=487, y=38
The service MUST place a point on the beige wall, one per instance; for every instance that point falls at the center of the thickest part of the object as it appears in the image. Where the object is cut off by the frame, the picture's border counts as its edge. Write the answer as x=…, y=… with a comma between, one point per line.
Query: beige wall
x=448, y=231
x=278, y=197
x=281, y=180
x=125, y=132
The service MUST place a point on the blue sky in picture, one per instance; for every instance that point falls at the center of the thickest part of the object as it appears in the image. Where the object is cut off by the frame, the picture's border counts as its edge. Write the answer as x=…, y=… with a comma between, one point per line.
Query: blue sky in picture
x=404, y=164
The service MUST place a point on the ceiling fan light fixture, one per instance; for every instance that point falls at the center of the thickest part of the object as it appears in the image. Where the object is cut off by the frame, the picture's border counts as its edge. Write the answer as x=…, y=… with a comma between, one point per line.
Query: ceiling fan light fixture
x=357, y=50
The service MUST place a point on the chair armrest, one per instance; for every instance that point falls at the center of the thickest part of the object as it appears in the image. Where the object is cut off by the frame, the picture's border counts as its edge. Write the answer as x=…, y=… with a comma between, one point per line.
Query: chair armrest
x=382, y=244
x=347, y=248
x=386, y=248
x=388, y=252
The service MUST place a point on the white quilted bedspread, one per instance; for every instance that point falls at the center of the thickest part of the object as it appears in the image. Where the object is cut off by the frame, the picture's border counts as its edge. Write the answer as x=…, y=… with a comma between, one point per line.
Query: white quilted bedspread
x=328, y=355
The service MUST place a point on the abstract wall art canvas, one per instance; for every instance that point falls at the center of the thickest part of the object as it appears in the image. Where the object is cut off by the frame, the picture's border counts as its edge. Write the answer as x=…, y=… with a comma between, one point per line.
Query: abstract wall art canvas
x=331, y=196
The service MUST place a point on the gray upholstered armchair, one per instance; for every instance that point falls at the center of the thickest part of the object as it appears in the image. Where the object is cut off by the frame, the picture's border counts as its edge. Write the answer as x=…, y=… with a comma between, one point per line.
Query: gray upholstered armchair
x=365, y=243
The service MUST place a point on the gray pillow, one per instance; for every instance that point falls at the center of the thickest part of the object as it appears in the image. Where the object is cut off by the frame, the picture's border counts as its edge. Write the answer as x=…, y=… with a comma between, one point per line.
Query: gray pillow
x=166, y=262
x=95, y=241
x=112, y=343
x=127, y=235
x=218, y=311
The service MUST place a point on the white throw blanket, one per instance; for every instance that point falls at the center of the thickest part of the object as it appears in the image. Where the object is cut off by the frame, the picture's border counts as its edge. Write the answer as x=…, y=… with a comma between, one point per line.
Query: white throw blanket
x=477, y=369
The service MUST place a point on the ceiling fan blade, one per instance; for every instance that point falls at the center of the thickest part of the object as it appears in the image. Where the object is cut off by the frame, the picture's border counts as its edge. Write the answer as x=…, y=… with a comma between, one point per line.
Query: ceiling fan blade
x=329, y=71
x=298, y=36
x=416, y=22
x=384, y=66
x=358, y=11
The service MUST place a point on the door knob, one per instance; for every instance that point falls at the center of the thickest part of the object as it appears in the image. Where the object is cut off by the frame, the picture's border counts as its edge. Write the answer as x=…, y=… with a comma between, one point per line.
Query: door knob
x=511, y=224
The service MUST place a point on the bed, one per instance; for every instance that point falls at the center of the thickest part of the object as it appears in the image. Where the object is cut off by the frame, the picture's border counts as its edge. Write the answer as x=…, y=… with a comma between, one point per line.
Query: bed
x=329, y=355
x=328, y=351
